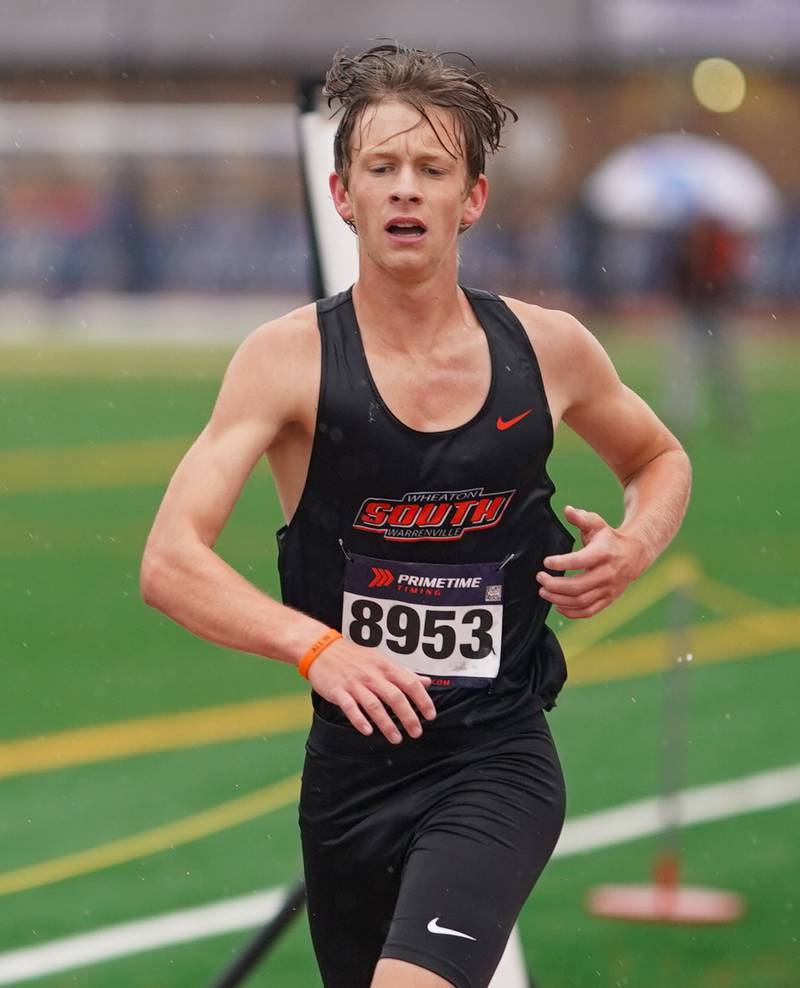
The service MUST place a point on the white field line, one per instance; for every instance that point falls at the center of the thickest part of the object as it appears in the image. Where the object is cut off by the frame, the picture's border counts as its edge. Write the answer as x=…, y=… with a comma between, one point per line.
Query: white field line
x=700, y=805
x=111, y=942
x=590, y=832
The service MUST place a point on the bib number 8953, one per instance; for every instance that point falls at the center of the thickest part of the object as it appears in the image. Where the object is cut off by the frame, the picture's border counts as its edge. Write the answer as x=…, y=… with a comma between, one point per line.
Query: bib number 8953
x=404, y=630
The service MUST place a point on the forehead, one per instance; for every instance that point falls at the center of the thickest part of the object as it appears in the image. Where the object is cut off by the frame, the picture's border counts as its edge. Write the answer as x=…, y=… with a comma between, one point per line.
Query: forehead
x=393, y=124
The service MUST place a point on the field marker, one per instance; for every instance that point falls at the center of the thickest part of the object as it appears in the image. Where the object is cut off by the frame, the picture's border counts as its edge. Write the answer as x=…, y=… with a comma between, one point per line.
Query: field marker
x=581, y=835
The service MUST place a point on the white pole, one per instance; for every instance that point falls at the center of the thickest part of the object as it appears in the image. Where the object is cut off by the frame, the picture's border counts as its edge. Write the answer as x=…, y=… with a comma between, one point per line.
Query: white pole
x=511, y=971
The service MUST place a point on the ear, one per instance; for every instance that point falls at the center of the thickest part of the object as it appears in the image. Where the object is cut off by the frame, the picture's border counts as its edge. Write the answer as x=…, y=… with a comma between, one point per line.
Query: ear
x=474, y=202
x=341, y=199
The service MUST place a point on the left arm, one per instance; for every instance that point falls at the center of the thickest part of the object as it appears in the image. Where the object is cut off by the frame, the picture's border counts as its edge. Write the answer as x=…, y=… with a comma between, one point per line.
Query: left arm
x=648, y=460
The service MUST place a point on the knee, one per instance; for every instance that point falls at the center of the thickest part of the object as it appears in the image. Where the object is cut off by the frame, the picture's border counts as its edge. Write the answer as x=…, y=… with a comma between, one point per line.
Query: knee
x=391, y=973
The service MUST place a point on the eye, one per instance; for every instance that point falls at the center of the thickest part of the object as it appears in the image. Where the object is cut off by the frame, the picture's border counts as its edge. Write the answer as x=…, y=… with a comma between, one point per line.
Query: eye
x=379, y=169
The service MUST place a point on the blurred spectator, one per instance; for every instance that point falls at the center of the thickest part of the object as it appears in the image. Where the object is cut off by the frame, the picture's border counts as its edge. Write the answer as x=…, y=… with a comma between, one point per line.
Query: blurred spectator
x=207, y=223
x=706, y=281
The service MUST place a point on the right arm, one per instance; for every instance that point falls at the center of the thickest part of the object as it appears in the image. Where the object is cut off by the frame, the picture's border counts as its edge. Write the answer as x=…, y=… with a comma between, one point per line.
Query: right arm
x=265, y=390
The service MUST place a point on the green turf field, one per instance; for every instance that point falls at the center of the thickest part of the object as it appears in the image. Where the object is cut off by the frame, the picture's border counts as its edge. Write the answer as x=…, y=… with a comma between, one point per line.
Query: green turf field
x=154, y=815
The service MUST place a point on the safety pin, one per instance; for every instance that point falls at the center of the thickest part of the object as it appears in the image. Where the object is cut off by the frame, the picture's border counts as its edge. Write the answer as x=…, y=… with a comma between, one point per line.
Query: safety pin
x=347, y=555
x=507, y=560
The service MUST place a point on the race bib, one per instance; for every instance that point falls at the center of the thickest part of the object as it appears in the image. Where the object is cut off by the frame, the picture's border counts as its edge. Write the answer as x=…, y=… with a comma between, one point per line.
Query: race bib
x=443, y=621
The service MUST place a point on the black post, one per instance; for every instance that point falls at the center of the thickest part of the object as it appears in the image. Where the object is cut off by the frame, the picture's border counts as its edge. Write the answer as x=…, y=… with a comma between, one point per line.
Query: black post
x=308, y=90
x=260, y=944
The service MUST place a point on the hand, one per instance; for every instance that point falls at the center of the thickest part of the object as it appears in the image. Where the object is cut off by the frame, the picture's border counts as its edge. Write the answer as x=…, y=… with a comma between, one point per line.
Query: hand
x=610, y=560
x=363, y=683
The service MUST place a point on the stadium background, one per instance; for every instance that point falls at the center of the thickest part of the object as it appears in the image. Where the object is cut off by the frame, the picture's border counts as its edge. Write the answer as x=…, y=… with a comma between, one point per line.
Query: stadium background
x=150, y=216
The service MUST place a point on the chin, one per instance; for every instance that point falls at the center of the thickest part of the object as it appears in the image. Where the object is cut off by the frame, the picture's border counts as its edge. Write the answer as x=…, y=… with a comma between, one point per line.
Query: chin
x=409, y=268
x=401, y=262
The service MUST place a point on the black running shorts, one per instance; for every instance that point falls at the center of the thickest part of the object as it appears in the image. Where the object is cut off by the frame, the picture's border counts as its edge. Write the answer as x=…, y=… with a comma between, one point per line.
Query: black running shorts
x=425, y=851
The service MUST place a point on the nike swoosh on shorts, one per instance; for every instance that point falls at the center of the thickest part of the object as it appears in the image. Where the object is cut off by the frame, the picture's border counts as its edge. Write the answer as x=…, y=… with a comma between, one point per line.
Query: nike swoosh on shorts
x=433, y=927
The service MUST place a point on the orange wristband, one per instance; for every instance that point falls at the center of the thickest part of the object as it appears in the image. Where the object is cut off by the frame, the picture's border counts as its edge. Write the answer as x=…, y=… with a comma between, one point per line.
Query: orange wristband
x=330, y=636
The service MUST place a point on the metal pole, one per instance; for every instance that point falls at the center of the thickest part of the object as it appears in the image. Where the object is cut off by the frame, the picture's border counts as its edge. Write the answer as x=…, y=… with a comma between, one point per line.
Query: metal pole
x=260, y=944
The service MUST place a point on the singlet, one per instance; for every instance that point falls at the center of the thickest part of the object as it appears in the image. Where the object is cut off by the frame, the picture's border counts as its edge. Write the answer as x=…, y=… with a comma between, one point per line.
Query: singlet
x=426, y=545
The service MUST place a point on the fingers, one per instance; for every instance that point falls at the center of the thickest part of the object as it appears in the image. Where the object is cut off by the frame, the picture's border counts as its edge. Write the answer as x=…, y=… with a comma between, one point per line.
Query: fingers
x=397, y=701
x=586, y=521
x=588, y=611
x=573, y=586
x=352, y=712
x=373, y=707
x=581, y=559
x=397, y=687
x=564, y=602
x=582, y=595
x=369, y=695
x=590, y=523
x=415, y=688
x=376, y=700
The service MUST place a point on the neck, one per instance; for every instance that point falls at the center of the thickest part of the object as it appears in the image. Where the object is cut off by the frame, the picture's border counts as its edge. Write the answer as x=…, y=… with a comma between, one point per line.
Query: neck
x=409, y=315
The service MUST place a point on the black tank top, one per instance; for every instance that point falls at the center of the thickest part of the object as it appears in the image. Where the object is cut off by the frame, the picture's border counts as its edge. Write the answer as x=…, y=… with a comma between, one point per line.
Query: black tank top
x=427, y=544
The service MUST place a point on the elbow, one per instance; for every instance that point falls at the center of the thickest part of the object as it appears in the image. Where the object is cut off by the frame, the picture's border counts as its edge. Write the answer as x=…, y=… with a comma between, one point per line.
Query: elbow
x=154, y=576
x=673, y=454
x=684, y=464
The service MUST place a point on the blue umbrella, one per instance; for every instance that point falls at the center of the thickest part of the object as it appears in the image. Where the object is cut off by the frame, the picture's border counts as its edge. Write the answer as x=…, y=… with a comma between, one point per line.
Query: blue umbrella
x=664, y=181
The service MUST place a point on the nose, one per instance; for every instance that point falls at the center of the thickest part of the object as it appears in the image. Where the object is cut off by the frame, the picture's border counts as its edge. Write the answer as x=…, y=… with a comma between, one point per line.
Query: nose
x=405, y=188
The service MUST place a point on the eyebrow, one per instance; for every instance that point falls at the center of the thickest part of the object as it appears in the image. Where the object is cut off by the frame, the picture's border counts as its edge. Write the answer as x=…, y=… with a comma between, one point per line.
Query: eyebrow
x=437, y=156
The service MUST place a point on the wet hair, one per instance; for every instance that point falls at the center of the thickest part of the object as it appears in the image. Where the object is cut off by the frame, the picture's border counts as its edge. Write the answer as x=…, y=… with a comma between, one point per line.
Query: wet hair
x=422, y=79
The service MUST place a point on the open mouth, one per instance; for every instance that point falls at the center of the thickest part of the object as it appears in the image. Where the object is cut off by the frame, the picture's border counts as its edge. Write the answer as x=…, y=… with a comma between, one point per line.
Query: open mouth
x=408, y=231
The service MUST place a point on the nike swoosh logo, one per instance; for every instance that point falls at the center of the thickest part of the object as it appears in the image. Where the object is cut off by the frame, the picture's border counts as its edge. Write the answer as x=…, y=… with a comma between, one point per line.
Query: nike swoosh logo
x=501, y=424
x=433, y=927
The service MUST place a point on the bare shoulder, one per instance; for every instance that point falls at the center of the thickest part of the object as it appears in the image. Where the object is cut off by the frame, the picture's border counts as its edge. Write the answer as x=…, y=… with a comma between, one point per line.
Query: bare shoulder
x=569, y=355
x=554, y=333
x=280, y=342
x=274, y=373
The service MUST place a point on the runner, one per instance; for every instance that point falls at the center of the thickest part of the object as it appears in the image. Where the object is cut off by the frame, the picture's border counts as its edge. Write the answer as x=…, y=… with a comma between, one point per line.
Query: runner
x=408, y=423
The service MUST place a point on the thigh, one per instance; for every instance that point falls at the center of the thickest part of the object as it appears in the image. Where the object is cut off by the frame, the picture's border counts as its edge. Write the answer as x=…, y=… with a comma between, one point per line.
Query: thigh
x=349, y=912
x=474, y=861
x=352, y=864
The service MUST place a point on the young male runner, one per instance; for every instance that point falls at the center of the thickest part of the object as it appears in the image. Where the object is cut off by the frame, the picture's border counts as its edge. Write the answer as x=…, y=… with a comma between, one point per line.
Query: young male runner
x=408, y=423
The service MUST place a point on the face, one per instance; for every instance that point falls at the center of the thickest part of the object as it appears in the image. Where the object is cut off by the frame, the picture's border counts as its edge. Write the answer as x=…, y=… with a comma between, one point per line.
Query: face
x=406, y=193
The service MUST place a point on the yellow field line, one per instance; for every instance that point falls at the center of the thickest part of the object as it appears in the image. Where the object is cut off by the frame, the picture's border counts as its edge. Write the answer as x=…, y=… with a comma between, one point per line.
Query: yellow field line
x=749, y=634
x=713, y=641
x=725, y=598
x=97, y=466
x=170, y=835
x=123, y=739
x=113, y=362
x=639, y=596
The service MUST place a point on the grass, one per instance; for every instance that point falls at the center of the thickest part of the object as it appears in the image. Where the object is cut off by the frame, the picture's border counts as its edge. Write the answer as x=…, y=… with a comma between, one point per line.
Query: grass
x=81, y=649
